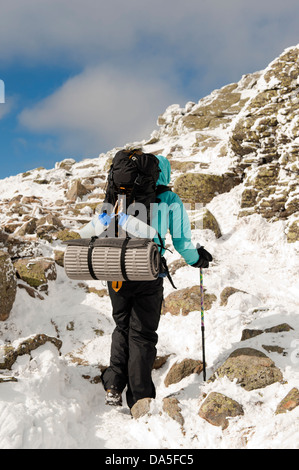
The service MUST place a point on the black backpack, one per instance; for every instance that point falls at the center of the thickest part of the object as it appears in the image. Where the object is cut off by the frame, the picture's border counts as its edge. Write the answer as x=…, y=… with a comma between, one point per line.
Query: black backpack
x=134, y=174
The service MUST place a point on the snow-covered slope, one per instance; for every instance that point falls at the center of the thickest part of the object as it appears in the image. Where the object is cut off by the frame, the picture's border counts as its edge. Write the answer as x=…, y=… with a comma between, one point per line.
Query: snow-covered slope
x=56, y=400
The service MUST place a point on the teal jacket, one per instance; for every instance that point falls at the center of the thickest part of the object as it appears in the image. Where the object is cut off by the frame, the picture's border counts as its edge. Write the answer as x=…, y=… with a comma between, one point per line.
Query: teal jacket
x=170, y=214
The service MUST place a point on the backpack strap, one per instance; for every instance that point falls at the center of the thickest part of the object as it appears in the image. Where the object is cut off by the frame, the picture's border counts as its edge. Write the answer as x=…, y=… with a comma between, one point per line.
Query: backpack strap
x=89, y=258
x=164, y=270
x=122, y=258
x=162, y=188
x=163, y=263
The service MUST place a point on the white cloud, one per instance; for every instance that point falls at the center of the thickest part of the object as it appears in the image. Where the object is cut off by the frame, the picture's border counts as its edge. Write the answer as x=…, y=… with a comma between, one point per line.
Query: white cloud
x=229, y=34
x=100, y=108
x=7, y=107
x=137, y=58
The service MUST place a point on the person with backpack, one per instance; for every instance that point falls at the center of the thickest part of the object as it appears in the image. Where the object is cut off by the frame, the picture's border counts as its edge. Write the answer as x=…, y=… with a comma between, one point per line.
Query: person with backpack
x=144, y=179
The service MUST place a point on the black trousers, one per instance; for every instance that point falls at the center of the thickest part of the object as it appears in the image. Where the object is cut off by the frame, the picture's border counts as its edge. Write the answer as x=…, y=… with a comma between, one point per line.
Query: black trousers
x=136, y=312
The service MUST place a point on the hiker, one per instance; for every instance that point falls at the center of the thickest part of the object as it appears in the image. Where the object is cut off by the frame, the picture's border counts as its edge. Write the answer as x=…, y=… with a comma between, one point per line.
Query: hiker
x=137, y=304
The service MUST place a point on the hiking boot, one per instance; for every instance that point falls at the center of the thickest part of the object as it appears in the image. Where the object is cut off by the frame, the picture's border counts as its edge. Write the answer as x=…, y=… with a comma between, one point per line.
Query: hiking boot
x=113, y=397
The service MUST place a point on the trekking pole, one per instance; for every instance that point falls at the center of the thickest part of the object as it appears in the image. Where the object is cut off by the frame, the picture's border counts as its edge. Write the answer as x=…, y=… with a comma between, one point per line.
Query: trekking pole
x=202, y=326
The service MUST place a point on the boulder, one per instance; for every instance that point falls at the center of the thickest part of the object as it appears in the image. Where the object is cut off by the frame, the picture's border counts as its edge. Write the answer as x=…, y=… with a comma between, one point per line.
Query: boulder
x=45, y=232
x=77, y=190
x=184, y=301
x=182, y=369
x=251, y=368
x=49, y=219
x=217, y=408
x=28, y=227
x=3, y=238
x=59, y=257
x=141, y=408
x=36, y=272
x=289, y=403
x=65, y=164
x=160, y=361
x=8, y=285
x=171, y=406
x=65, y=235
x=209, y=222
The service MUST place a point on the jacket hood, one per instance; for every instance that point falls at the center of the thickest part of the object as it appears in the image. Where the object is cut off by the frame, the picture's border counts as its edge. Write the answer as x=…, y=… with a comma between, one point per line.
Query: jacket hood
x=164, y=165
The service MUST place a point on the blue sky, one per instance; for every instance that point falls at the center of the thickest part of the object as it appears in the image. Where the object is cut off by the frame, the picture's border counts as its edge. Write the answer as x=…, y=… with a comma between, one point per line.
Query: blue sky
x=84, y=76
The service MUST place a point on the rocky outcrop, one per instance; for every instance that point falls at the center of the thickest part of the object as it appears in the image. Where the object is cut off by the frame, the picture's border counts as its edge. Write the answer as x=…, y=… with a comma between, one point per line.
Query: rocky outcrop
x=200, y=188
x=260, y=118
x=264, y=140
x=8, y=285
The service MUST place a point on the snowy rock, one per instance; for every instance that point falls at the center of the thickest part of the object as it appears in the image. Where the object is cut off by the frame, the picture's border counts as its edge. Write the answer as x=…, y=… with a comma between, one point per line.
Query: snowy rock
x=293, y=232
x=8, y=285
x=289, y=403
x=182, y=369
x=65, y=164
x=215, y=112
x=209, y=222
x=218, y=408
x=3, y=238
x=184, y=301
x=77, y=190
x=36, y=272
x=9, y=354
x=50, y=220
x=171, y=406
x=27, y=228
x=251, y=368
x=160, y=361
x=18, y=247
x=226, y=293
x=59, y=257
x=249, y=333
x=66, y=234
x=141, y=408
x=30, y=291
x=202, y=188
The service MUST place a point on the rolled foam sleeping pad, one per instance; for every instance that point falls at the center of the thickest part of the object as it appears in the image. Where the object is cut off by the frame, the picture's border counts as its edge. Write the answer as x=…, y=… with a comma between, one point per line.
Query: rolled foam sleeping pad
x=112, y=259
